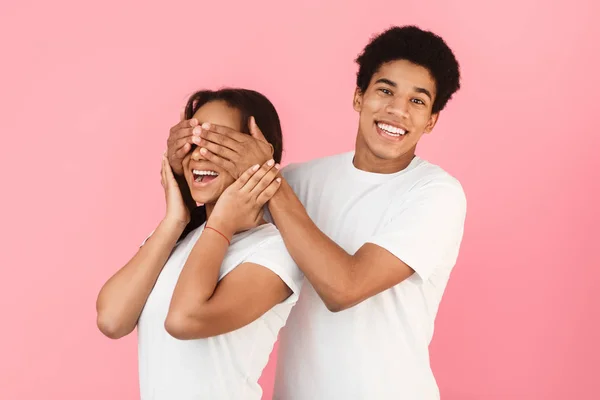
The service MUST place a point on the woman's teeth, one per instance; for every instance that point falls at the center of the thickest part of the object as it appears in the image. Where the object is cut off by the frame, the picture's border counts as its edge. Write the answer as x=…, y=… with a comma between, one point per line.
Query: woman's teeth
x=391, y=130
x=199, y=175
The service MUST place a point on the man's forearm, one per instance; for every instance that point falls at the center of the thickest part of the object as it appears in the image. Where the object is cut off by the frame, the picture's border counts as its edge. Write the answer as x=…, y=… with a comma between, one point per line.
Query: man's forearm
x=325, y=264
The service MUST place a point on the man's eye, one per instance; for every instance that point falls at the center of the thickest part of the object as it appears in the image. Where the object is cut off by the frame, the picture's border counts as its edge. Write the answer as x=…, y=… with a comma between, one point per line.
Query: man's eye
x=418, y=101
x=385, y=91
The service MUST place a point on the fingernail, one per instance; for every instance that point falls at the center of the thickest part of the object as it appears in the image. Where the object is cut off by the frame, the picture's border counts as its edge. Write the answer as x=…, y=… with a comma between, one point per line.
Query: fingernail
x=203, y=151
x=256, y=167
x=270, y=163
x=196, y=140
x=196, y=130
x=278, y=180
x=193, y=122
x=277, y=166
x=206, y=125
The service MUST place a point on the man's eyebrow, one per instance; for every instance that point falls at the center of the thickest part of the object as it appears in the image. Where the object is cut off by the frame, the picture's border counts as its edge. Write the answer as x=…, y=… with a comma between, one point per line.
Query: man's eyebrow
x=387, y=82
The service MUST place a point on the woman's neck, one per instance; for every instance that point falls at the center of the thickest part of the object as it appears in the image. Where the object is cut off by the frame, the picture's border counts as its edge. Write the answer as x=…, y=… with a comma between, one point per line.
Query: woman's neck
x=209, y=209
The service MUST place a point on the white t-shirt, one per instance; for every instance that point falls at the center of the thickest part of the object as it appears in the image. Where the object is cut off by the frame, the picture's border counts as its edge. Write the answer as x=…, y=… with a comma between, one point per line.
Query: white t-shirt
x=379, y=348
x=226, y=366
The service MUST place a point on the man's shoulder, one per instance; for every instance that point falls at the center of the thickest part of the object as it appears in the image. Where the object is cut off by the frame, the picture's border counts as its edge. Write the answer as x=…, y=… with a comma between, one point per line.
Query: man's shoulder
x=428, y=173
x=433, y=181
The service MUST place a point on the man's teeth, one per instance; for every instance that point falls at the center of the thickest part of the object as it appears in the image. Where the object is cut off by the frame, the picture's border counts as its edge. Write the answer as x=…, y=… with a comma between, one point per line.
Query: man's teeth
x=391, y=130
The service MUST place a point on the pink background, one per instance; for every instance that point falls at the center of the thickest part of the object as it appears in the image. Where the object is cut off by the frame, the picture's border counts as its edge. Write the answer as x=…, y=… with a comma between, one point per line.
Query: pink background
x=89, y=91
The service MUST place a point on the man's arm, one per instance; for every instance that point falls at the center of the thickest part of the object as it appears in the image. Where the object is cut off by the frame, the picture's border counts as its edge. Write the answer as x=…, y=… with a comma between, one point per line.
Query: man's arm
x=341, y=280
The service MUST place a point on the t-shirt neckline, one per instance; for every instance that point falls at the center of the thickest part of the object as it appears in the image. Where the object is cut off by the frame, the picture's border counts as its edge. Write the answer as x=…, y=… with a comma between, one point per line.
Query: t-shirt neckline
x=374, y=177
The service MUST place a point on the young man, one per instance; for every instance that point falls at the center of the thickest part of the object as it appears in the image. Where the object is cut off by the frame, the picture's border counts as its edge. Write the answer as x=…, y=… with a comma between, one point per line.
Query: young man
x=376, y=231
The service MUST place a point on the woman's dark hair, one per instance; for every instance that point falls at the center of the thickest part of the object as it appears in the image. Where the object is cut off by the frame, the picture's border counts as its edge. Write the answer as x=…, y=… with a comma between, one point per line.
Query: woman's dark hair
x=250, y=104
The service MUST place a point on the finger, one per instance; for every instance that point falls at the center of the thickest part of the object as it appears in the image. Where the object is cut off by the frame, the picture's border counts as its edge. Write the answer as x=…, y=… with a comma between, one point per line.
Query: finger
x=221, y=139
x=219, y=150
x=269, y=192
x=221, y=162
x=245, y=177
x=163, y=178
x=182, y=152
x=225, y=131
x=176, y=136
x=185, y=124
x=265, y=181
x=255, y=130
x=168, y=172
x=182, y=114
x=257, y=134
x=178, y=144
x=258, y=175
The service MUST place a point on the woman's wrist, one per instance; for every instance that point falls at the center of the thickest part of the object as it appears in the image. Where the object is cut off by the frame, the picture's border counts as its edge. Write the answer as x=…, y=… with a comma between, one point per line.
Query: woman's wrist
x=221, y=226
x=174, y=226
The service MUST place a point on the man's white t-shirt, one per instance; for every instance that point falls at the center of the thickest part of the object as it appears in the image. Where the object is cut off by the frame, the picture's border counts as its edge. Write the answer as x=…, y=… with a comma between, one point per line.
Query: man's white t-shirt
x=377, y=349
x=226, y=366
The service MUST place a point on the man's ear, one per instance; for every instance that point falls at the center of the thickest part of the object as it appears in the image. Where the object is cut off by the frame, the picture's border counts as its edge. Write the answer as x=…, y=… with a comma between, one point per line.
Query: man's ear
x=431, y=123
x=358, y=99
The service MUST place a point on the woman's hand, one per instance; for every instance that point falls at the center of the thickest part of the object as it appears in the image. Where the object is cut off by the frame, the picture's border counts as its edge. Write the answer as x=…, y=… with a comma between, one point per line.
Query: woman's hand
x=240, y=207
x=177, y=212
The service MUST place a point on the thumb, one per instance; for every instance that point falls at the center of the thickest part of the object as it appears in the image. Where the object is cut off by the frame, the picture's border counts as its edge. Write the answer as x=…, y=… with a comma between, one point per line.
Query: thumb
x=255, y=130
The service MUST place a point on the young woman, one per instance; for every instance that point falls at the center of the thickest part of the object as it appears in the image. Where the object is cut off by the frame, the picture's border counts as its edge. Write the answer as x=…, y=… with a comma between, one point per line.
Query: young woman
x=208, y=307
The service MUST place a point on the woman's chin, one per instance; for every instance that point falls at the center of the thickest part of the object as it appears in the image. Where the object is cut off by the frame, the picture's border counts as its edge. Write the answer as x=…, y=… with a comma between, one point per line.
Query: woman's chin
x=200, y=199
x=204, y=196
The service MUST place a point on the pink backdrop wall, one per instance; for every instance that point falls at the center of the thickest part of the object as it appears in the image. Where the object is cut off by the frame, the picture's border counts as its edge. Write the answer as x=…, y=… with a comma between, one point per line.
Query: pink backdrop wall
x=90, y=90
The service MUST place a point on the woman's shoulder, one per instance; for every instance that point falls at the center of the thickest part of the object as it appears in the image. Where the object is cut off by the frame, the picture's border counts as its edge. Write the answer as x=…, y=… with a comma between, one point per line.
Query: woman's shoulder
x=263, y=234
x=264, y=246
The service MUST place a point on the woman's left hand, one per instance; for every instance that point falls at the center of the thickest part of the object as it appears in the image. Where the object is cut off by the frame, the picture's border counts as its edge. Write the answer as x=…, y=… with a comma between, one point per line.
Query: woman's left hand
x=177, y=212
x=240, y=207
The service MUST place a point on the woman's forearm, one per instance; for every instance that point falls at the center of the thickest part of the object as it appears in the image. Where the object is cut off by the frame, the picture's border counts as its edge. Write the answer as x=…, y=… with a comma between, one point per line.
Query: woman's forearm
x=124, y=295
x=197, y=283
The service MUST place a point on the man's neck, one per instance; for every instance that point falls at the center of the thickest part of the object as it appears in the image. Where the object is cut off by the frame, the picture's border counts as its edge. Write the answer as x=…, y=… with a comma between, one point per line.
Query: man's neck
x=365, y=160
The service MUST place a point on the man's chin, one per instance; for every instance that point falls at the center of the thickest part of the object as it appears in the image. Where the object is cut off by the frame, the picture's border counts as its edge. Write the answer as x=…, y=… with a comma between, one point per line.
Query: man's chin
x=386, y=153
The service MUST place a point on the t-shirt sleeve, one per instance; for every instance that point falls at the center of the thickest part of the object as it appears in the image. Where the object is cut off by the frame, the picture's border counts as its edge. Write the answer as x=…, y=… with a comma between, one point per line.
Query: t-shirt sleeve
x=427, y=230
x=274, y=256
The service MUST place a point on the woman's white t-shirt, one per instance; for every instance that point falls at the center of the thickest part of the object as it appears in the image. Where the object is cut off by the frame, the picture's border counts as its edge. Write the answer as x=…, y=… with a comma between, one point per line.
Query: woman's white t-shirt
x=226, y=366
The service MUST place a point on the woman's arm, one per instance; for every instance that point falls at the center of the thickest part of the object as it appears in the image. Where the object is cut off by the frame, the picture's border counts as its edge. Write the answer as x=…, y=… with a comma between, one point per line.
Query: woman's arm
x=202, y=306
x=124, y=295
